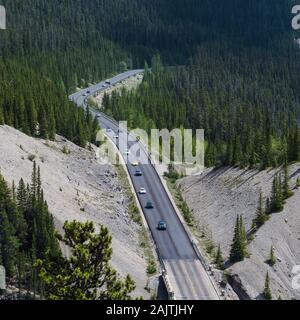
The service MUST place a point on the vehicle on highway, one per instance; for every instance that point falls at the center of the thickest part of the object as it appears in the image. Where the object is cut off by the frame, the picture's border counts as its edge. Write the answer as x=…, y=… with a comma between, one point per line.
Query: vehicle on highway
x=127, y=152
x=85, y=94
x=107, y=82
x=138, y=173
x=88, y=92
x=142, y=191
x=98, y=116
x=104, y=85
x=116, y=137
x=149, y=205
x=135, y=163
x=162, y=225
x=108, y=130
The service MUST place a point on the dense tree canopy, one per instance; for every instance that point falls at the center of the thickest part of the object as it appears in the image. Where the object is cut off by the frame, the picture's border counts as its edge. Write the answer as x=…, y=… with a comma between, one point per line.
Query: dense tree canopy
x=239, y=55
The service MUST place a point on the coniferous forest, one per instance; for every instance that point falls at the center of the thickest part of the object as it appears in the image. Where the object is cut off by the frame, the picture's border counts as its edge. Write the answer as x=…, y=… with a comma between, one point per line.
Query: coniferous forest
x=237, y=71
x=26, y=231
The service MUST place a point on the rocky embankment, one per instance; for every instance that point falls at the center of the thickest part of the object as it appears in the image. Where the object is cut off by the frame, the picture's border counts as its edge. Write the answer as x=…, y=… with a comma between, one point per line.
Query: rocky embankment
x=218, y=196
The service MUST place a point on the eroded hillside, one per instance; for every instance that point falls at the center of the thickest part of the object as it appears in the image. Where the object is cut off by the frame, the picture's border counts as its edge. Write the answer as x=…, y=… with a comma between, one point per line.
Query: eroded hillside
x=77, y=187
x=218, y=196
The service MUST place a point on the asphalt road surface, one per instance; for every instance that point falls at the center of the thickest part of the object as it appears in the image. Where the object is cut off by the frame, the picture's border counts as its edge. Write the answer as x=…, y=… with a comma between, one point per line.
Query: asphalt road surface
x=187, y=276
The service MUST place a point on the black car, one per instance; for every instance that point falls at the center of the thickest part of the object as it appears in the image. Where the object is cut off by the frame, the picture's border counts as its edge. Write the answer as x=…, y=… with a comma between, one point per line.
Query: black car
x=138, y=173
x=162, y=225
x=149, y=205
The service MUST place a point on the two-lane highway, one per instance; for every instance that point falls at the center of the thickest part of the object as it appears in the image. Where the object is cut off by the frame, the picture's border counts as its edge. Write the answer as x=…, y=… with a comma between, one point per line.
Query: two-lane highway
x=186, y=274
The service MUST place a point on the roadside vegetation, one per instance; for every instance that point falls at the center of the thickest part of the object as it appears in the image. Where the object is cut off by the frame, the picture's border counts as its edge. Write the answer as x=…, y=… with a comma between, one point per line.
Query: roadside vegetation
x=180, y=202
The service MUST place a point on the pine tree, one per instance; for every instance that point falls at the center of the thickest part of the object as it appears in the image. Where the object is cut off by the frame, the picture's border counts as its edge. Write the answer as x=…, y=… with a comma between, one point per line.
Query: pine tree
x=87, y=274
x=287, y=192
x=34, y=182
x=267, y=290
x=261, y=216
x=219, y=261
x=43, y=124
x=239, y=245
x=272, y=258
x=14, y=191
x=276, y=197
x=39, y=184
x=267, y=148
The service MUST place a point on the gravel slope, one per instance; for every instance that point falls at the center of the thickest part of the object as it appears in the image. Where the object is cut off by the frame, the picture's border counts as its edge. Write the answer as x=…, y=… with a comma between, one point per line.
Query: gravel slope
x=217, y=196
x=77, y=187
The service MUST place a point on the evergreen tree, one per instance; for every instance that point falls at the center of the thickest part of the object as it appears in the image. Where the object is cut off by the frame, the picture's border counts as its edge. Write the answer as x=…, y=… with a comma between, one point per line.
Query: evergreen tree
x=287, y=192
x=261, y=216
x=43, y=125
x=267, y=290
x=272, y=258
x=87, y=274
x=34, y=182
x=276, y=197
x=219, y=261
x=239, y=245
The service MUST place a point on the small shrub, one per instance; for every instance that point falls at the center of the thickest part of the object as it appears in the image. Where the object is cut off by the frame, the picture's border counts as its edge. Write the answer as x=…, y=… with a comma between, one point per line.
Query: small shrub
x=151, y=269
x=65, y=150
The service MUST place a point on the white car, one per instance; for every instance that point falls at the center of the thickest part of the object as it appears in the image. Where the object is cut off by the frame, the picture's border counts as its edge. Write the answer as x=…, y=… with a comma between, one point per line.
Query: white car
x=127, y=152
x=142, y=191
